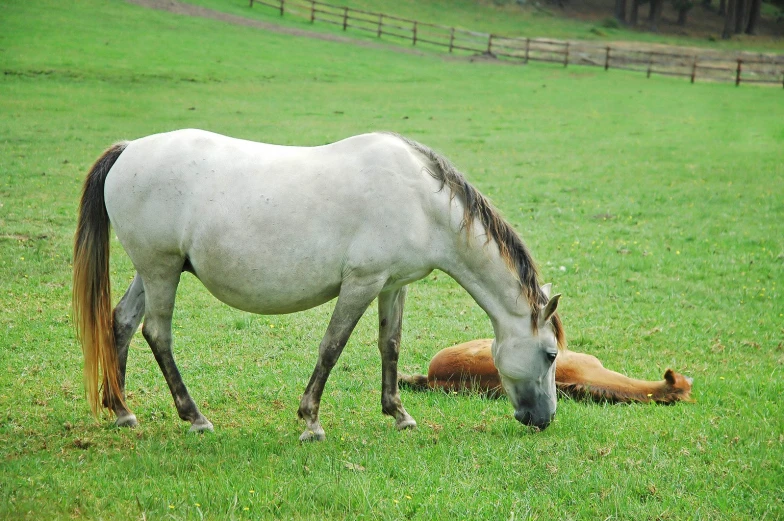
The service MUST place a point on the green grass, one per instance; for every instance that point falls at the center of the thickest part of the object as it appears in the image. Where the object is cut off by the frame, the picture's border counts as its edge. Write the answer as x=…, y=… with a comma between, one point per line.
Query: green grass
x=661, y=200
x=500, y=18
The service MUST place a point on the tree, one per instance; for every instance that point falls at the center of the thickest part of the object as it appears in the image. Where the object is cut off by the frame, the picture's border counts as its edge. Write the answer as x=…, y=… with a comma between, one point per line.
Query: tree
x=654, y=15
x=620, y=10
x=729, y=20
x=635, y=11
x=683, y=7
x=754, y=16
x=740, y=16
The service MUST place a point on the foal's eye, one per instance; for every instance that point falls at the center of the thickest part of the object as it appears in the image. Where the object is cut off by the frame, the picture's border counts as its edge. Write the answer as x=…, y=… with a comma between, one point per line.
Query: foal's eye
x=551, y=356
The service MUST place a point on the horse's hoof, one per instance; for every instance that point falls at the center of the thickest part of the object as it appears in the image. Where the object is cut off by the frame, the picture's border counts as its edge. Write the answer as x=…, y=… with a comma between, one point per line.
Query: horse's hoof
x=313, y=435
x=406, y=423
x=201, y=426
x=126, y=420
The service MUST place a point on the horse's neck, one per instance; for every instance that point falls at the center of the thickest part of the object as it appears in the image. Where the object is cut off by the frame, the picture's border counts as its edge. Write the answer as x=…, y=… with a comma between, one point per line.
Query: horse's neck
x=480, y=269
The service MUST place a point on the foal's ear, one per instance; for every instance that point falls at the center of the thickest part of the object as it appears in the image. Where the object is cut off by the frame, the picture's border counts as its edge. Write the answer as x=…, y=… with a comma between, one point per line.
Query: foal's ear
x=669, y=375
x=546, y=289
x=550, y=308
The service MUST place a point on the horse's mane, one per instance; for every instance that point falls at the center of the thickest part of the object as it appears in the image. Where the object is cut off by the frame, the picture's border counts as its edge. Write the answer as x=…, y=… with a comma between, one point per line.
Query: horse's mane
x=512, y=249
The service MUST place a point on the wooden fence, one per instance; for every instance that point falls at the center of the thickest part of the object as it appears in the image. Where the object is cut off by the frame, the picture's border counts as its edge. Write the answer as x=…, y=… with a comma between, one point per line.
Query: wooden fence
x=707, y=66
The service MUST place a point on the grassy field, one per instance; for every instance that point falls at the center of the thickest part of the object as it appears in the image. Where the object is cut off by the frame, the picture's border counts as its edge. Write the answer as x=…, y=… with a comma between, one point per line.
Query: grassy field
x=654, y=206
x=508, y=18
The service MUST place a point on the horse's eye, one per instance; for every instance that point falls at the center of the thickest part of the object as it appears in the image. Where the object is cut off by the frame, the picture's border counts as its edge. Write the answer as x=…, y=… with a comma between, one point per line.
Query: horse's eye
x=551, y=356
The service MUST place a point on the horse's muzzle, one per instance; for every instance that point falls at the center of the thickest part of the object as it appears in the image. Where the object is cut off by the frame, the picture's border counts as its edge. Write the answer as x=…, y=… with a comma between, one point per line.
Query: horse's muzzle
x=526, y=418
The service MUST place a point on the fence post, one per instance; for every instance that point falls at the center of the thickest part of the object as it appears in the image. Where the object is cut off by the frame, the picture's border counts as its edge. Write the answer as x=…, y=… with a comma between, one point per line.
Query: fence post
x=489, y=44
x=737, y=74
x=566, y=58
x=650, y=64
x=527, y=48
x=451, y=39
x=380, y=22
x=414, y=34
x=281, y=7
x=694, y=69
x=345, y=18
x=607, y=59
x=312, y=11
x=251, y=3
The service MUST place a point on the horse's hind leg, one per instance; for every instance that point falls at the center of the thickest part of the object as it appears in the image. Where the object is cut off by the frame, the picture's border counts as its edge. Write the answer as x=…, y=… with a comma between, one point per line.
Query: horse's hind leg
x=159, y=305
x=127, y=315
x=354, y=299
x=390, y=323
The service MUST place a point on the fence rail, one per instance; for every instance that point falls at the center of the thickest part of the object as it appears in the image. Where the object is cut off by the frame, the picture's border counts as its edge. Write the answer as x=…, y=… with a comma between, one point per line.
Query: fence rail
x=709, y=66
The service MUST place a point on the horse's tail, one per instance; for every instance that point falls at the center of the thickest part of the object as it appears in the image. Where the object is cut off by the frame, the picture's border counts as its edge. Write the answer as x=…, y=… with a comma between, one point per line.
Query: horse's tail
x=92, y=299
x=417, y=382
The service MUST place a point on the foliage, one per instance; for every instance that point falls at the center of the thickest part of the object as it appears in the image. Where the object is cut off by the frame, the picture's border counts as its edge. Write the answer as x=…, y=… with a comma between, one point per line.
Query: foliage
x=654, y=206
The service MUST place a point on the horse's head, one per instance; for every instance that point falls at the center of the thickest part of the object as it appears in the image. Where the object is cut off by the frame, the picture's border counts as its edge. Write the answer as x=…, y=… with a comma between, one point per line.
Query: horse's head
x=526, y=365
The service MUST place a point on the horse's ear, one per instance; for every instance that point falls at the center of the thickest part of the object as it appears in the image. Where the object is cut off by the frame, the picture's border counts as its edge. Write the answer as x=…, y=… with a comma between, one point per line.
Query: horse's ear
x=550, y=308
x=546, y=289
x=669, y=375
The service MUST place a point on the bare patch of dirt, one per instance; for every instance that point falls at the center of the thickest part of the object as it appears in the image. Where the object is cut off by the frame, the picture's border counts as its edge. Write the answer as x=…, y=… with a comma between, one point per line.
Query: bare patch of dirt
x=173, y=6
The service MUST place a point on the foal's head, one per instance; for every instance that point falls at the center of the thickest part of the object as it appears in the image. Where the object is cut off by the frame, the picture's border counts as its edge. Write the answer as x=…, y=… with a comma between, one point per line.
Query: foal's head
x=676, y=388
x=526, y=365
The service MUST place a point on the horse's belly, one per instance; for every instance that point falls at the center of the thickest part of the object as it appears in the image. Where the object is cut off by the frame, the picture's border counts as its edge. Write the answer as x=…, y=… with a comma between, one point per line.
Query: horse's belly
x=266, y=299
x=267, y=287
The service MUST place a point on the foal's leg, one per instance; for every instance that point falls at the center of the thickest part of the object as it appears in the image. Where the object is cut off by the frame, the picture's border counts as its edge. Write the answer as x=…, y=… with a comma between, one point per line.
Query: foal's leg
x=352, y=303
x=159, y=305
x=127, y=315
x=390, y=322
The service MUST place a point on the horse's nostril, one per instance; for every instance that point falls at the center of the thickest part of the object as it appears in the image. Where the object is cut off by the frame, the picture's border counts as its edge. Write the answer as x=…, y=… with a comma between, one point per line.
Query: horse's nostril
x=523, y=417
x=526, y=418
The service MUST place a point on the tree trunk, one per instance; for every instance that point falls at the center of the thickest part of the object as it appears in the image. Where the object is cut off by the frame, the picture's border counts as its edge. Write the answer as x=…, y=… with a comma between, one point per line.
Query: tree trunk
x=634, y=14
x=723, y=7
x=754, y=16
x=740, y=14
x=654, y=15
x=682, y=14
x=620, y=10
x=729, y=20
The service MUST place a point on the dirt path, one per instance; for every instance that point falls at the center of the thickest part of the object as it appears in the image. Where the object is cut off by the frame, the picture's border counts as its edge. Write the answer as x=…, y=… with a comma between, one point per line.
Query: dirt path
x=185, y=9
x=181, y=8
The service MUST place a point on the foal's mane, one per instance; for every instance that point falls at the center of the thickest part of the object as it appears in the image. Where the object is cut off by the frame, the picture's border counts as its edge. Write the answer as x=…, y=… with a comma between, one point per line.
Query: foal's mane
x=514, y=252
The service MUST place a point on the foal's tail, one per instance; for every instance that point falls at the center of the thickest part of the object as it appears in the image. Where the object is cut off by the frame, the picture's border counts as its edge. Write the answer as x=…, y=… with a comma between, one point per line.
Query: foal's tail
x=92, y=299
x=416, y=382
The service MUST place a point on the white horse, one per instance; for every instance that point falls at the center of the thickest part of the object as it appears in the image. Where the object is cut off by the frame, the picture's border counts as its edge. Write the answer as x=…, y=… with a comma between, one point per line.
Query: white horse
x=275, y=229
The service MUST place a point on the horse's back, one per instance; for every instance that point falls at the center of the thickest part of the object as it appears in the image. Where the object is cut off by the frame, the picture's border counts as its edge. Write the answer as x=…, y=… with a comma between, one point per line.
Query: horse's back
x=271, y=228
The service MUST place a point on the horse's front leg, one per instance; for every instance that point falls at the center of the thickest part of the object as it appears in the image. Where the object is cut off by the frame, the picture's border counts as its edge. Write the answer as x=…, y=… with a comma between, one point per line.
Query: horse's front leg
x=159, y=306
x=352, y=302
x=127, y=316
x=390, y=324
